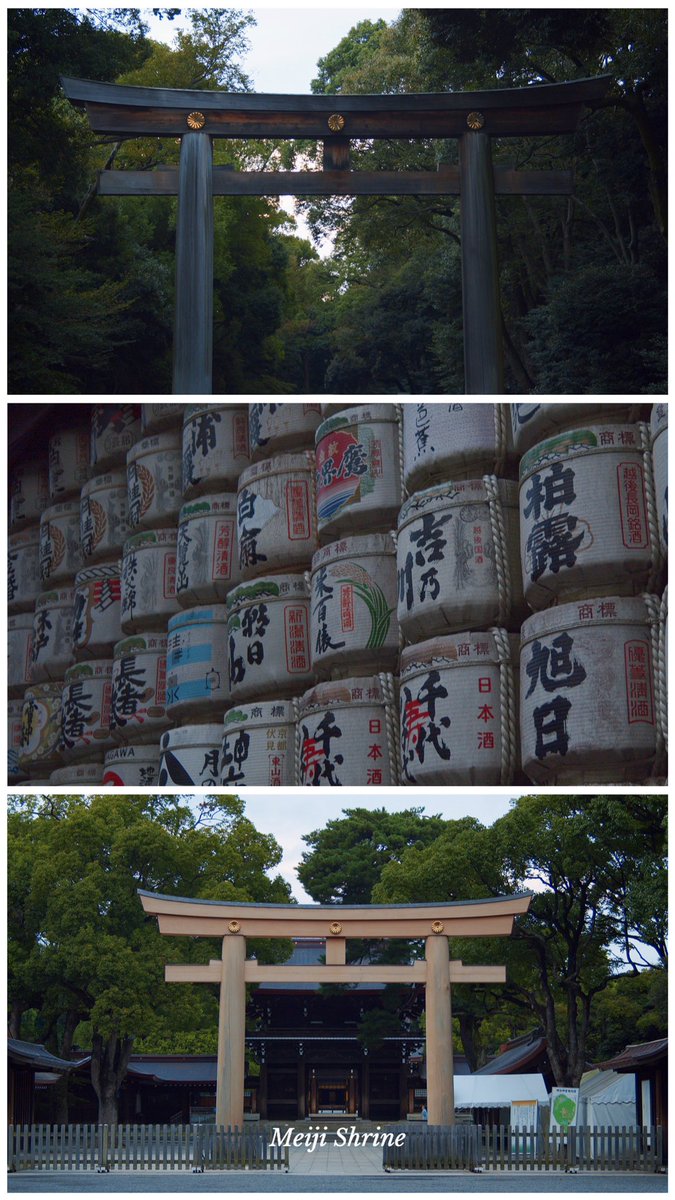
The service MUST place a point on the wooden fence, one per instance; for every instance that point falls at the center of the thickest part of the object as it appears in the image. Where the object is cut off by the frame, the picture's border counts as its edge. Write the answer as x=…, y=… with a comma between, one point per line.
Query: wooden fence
x=498, y=1147
x=141, y=1148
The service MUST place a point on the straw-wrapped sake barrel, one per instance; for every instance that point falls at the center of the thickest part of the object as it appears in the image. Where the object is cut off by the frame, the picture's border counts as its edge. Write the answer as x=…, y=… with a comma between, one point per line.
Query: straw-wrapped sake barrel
x=138, y=707
x=358, y=476
x=97, y=610
x=659, y=433
x=68, y=462
x=353, y=606
x=60, y=554
x=23, y=569
x=347, y=734
x=159, y=415
x=458, y=558
x=190, y=756
x=268, y=638
x=531, y=423
x=454, y=441
x=587, y=704
x=114, y=429
x=276, y=515
x=52, y=650
x=215, y=447
x=458, y=710
x=28, y=493
x=149, y=579
x=154, y=480
x=207, y=564
x=15, y=773
x=85, y=709
x=41, y=746
x=104, y=522
x=275, y=428
x=19, y=653
x=197, y=669
x=259, y=744
x=131, y=766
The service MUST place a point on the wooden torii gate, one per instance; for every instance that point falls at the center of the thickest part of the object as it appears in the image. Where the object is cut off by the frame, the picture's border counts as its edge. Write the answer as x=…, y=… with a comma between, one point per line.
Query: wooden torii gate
x=475, y=118
x=234, y=922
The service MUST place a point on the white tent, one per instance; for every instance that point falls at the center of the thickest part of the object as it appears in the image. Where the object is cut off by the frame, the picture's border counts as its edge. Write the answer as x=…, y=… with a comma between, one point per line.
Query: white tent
x=497, y=1091
x=607, y=1100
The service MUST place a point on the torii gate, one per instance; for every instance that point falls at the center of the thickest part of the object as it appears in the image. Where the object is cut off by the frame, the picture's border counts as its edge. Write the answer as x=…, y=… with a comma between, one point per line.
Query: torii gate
x=199, y=116
x=234, y=922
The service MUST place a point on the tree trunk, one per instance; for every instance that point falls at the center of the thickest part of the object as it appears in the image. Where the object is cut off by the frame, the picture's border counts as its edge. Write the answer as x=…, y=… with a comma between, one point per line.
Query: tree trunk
x=14, y=1024
x=59, y=1092
x=109, y=1061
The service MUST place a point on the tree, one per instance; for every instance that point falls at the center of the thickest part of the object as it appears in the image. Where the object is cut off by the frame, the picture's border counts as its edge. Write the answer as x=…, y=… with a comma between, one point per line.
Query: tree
x=82, y=954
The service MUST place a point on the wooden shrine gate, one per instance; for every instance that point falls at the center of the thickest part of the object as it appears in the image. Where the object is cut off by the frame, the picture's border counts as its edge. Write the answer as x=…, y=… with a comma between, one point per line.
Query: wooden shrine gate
x=196, y=117
x=234, y=922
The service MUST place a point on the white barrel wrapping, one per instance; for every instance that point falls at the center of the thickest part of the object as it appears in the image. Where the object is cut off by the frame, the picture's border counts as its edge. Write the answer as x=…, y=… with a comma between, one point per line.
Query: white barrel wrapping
x=68, y=462
x=531, y=423
x=138, y=706
x=346, y=733
x=82, y=774
x=19, y=653
x=15, y=773
x=268, y=638
x=154, y=479
x=274, y=428
x=458, y=558
x=41, y=745
x=207, y=564
x=458, y=711
x=23, y=569
x=190, y=756
x=353, y=606
x=149, y=579
x=276, y=515
x=215, y=447
x=97, y=610
x=659, y=434
x=587, y=705
x=585, y=515
x=159, y=415
x=454, y=441
x=52, y=649
x=114, y=429
x=131, y=766
x=104, y=522
x=259, y=744
x=60, y=554
x=86, y=709
x=197, y=669
x=358, y=476
x=28, y=493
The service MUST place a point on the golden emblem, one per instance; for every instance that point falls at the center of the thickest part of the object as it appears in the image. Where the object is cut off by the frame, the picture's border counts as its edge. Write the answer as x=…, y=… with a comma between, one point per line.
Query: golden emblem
x=234, y=927
x=335, y=927
x=437, y=927
x=475, y=120
x=196, y=120
x=336, y=122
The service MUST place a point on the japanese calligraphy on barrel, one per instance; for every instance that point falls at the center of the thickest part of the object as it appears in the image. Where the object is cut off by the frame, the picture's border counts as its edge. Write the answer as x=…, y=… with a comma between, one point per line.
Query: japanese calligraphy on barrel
x=68, y=462
x=15, y=773
x=274, y=428
x=276, y=514
x=28, y=493
x=114, y=429
x=659, y=434
x=149, y=579
x=104, y=522
x=358, y=478
x=19, y=653
x=138, y=706
x=191, y=755
x=215, y=447
x=207, y=563
x=197, y=673
x=259, y=744
x=587, y=706
x=160, y=415
x=97, y=610
x=155, y=480
x=131, y=766
x=531, y=423
x=23, y=569
x=86, y=708
x=458, y=712
x=353, y=606
x=40, y=749
x=60, y=554
x=346, y=734
x=268, y=638
x=458, y=558
x=52, y=649
x=81, y=774
x=586, y=515
x=454, y=441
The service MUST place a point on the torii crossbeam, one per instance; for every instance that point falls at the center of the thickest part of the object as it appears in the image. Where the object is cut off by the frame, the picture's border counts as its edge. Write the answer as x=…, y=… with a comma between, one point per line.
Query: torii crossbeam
x=475, y=118
x=436, y=923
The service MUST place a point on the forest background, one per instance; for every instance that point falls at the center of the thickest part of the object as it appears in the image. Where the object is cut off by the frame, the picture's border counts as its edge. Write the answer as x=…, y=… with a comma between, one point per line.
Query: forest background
x=583, y=279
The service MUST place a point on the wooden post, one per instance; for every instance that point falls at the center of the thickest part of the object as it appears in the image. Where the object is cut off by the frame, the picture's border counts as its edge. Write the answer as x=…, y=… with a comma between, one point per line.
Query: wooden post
x=193, y=320
x=440, y=1064
x=302, y=1091
x=231, y=1034
x=483, y=367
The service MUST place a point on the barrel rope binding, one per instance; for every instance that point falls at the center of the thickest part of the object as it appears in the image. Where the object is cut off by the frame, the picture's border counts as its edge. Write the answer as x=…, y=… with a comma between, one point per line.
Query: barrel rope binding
x=295, y=771
x=663, y=664
x=401, y=639
x=399, y=447
x=508, y=716
x=386, y=682
x=653, y=607
x=498, y=526
x=650, y=500
x=314, y=515
x=501, y=434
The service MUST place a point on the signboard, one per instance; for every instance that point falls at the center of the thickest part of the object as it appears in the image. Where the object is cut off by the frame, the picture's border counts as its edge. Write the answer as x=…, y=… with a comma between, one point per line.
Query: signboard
x=564, y=1107
x=524, y=1114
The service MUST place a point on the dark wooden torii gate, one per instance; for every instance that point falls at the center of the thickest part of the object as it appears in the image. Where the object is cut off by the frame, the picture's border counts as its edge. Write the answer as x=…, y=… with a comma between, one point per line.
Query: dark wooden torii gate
x=475, y=118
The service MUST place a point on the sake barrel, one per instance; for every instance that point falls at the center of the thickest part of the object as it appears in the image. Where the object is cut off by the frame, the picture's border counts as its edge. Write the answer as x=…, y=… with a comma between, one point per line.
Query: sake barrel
x=458, y=558
x=197, y=672
x=41, y=744
x=353, y=606
x=190, y=756
x=587, y=710
x=531, y=423
x=155, y=480
x=347, y=733
x=268, y=638
x=68, y=462
x=159, y=415
x=273, y=428
x=82, y=774
x=28, y=493
x=85, y=709
x=149, y=579
x=23, y=569
x=585, y=515
x=52, y=642
x=114, y=429
x=138, y=706
x=15, y=774
x=207, y=562
x=97, y=610
x=60, y=555
x=19, y=653
x=458, y=710
x=104, y=520
x=215, y=447
x=454, y=441
x=131, y=766
x=276, y=515
x=259, y=744
x=659, y=434
x=358, y=476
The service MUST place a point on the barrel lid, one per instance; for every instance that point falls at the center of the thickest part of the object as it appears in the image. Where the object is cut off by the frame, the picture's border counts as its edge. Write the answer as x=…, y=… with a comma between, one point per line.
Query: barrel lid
x=28, y=535
x=65, y=508
x=467, y=649
x=93, y=668
x=104, y=570
x=591, y=439
x=279, y=464
x=206, y=614
x=191, y=735
x=47, y=691
x=361, y=690
x=116, y=478
x=360, y=414
x=220, y=504
x=150, y=537
x=446, y=495
x=272, y=587
x=361, y=546
x=136, y=643
x=56, y=598
x=149, y=753
x=93, y=772
x=265, y=712
x=577, y=614
x=195, y=410
x=170, y=439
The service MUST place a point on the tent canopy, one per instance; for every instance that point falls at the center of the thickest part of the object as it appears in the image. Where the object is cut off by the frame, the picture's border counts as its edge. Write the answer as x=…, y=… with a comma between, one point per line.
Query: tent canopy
x=497, y=1091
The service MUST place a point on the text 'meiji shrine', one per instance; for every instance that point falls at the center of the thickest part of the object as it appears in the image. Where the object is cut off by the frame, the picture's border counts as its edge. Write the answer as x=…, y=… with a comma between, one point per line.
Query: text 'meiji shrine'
x=196, y=117
x=235, y=922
